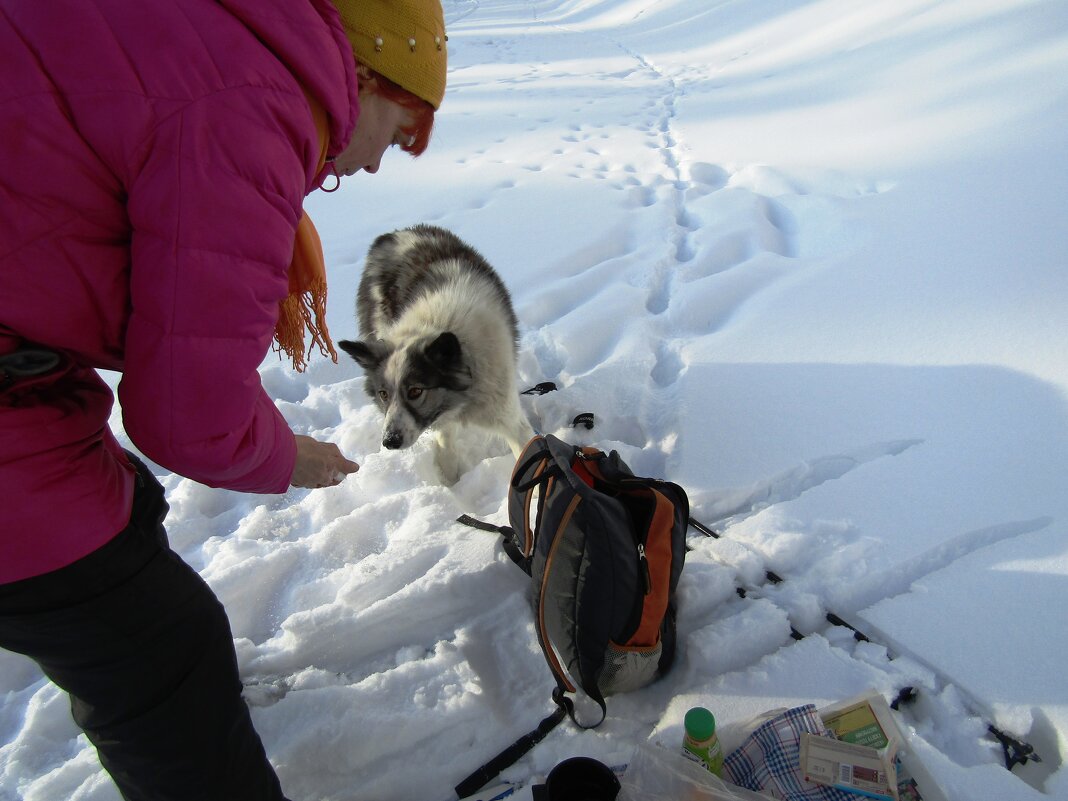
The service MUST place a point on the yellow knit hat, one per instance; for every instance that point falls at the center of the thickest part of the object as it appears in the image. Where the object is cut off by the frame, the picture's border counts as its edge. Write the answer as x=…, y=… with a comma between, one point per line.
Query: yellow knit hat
x=403, y=40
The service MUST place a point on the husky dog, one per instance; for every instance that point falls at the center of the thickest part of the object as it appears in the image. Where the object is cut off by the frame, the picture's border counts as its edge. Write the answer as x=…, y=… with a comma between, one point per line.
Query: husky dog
x=438, y=340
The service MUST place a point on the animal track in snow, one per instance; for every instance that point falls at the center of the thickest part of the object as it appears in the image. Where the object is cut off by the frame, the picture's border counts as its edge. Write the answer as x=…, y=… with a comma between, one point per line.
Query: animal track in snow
x=668, y=365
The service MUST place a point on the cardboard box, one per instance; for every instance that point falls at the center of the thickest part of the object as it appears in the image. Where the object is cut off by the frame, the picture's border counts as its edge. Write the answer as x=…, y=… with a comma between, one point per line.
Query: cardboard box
x=869, y=757
x=854, y=768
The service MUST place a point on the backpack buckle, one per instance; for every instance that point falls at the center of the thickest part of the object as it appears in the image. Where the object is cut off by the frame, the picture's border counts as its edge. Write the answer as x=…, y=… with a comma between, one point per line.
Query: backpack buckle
x=26, y=363
x=583, y=419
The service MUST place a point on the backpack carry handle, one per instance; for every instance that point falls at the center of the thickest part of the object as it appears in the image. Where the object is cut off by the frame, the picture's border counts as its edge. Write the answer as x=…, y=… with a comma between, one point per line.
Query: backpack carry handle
x=524, y=469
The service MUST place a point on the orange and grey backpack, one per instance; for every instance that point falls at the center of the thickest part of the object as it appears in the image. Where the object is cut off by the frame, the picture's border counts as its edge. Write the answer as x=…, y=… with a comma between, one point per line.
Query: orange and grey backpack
x=604, y=550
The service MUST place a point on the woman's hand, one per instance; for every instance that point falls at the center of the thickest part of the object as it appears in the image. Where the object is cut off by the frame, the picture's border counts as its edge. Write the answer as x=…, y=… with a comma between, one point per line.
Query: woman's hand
x=319, y=464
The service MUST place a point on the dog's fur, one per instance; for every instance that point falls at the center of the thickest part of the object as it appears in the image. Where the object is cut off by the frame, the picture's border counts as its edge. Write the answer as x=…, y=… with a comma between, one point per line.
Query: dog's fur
x=438, y=340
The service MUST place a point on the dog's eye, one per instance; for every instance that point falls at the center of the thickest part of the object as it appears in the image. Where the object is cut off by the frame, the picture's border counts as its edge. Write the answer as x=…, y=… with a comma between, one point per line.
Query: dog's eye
x=383, y=395
x=414, y=392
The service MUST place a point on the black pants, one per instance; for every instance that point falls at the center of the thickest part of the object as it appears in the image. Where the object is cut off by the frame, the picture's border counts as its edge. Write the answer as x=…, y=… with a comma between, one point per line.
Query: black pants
x=144, y=649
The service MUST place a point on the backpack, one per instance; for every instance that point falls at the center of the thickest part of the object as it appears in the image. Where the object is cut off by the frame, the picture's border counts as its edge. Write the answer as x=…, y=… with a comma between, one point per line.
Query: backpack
x=604, y=550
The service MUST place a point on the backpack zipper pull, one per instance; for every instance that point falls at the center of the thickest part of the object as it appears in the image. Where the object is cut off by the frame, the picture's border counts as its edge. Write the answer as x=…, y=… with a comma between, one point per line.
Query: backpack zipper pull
x=644, y=563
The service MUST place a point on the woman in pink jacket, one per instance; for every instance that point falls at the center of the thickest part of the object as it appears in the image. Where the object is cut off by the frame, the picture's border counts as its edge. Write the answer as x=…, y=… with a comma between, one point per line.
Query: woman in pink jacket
x=155, y=159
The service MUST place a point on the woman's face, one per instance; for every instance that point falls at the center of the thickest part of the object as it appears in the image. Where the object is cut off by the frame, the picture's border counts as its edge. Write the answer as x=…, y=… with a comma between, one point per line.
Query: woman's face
x=377, y=128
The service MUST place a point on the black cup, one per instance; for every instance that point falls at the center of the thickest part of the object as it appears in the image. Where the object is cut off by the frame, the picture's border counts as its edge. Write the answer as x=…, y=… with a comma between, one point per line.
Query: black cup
x=578, y=779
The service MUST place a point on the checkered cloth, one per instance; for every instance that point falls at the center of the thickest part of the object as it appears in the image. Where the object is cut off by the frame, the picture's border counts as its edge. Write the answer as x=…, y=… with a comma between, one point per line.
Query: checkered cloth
x=769, y=761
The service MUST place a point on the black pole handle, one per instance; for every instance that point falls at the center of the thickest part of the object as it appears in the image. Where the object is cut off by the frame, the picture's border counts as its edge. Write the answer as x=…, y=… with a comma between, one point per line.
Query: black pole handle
x=510, y=755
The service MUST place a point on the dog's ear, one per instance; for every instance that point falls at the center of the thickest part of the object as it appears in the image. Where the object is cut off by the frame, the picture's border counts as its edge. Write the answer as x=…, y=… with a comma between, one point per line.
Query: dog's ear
x=446, y=356
x=367, y=354
x=444, y=352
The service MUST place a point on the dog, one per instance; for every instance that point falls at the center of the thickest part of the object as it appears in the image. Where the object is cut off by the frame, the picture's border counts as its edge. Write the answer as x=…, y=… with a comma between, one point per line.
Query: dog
x=438, y=343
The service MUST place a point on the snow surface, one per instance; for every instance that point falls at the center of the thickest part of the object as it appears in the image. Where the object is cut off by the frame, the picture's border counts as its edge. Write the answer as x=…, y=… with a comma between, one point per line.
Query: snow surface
x=806, y=259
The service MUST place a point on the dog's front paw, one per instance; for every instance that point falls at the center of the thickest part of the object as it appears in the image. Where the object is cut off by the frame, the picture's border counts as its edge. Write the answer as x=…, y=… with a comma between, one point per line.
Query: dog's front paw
x=447, y=458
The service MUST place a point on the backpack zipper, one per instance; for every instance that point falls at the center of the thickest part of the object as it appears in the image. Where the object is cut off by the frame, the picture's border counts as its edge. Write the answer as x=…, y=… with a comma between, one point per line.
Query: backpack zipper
x=643, y=565
x=634, y=620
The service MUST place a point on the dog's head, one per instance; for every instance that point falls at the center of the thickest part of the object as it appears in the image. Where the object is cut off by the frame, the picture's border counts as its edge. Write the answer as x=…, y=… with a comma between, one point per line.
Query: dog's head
x=414, y=384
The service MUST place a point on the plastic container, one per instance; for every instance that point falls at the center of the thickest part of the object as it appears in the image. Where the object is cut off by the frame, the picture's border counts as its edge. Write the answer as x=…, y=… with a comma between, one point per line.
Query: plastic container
x=700, y=743
x=659, y=774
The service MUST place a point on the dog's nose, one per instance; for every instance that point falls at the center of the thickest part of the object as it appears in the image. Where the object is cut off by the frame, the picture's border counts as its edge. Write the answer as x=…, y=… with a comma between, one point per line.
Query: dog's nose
x=392, y=440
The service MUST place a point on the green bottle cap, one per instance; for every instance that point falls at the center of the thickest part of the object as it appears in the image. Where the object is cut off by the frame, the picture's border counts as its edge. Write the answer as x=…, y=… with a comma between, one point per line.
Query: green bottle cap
x=700, y=723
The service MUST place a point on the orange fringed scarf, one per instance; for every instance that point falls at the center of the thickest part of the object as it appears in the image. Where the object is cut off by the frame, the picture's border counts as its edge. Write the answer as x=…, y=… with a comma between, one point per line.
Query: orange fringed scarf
x=305, y=306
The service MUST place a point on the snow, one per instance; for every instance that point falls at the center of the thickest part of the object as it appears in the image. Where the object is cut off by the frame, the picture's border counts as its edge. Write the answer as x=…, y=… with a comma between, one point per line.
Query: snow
x=805, y=259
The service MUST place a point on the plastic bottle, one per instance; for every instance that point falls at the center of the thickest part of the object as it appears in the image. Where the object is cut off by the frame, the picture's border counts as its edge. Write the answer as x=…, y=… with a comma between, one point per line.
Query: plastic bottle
x=700, y=743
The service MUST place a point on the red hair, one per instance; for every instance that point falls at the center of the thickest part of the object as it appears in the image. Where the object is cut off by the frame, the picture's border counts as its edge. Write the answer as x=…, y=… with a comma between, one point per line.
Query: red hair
x=422, y=111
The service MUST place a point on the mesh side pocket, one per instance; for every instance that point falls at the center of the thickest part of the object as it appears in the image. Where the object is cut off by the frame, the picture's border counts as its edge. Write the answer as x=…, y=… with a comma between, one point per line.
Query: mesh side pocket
x=627, y=669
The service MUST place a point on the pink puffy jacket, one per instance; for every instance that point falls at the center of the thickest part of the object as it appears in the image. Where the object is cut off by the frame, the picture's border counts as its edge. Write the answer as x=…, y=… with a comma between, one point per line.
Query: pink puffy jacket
x=154, y=158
